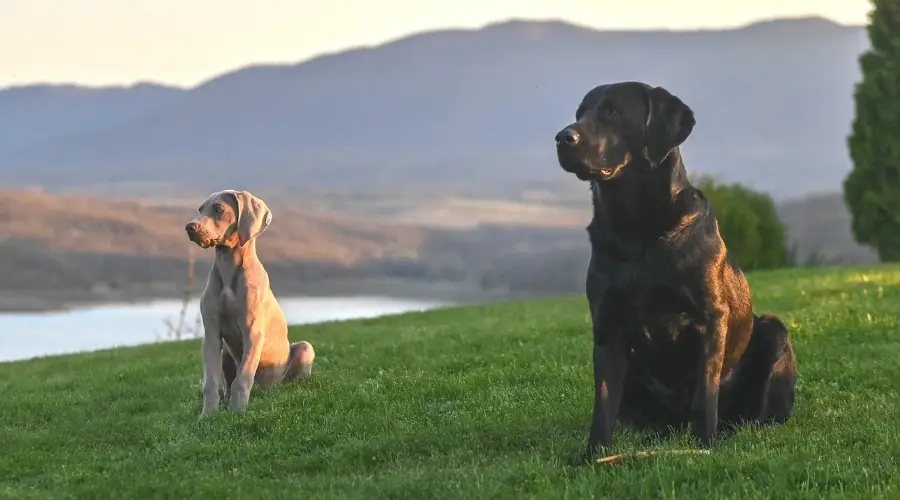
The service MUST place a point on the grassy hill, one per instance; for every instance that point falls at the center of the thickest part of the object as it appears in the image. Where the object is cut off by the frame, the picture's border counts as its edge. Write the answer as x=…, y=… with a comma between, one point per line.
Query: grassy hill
x=476, y=402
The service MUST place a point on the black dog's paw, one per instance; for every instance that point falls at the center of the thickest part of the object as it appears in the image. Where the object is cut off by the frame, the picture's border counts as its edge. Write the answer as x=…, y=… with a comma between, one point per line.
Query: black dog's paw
x=703, y=428
x=580, y=460
x=704, y=441
x=586, y=458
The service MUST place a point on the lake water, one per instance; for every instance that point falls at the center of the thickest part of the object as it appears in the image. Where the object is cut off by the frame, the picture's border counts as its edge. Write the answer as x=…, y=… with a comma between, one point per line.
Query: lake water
x=26, y=335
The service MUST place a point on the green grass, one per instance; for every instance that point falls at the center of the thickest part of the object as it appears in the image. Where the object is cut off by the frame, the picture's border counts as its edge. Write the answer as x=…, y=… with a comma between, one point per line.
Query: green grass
x=481, y=402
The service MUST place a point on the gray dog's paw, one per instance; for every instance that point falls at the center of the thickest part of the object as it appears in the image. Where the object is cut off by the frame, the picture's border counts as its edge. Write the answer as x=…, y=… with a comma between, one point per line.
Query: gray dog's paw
x=238, y=399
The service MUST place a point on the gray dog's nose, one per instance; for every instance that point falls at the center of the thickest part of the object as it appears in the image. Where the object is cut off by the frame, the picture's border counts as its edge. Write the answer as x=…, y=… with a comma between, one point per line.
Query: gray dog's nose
x=191, y=227
x=567, y=137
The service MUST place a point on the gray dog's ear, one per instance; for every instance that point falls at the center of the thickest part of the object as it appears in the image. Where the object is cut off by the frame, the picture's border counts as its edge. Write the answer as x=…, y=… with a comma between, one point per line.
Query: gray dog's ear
x=669, y=123
x=253, y=216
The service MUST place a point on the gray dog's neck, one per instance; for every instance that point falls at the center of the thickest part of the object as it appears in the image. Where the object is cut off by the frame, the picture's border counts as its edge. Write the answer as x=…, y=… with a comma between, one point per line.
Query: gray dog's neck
x=230, y=259
x=236, y=256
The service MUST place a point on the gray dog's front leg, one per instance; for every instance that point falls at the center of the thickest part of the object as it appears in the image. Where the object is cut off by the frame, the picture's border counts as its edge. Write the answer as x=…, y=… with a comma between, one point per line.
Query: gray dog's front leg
x=229, y=372
x=246, y=374
x=212, y=371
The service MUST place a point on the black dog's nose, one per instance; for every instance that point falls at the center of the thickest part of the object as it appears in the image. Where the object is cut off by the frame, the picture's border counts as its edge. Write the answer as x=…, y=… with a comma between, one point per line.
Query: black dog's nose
x=567, y=137
x=191, y=227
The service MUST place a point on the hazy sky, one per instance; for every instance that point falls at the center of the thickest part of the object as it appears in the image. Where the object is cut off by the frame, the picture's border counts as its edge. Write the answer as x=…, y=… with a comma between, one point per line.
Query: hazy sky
x=186, y=41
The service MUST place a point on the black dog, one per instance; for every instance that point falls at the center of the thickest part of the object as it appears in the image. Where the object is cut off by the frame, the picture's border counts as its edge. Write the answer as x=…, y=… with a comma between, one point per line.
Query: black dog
x=675, y=338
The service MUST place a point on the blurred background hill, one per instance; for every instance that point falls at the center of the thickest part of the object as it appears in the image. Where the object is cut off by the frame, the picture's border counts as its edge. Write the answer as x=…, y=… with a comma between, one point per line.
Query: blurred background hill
x=422, y=166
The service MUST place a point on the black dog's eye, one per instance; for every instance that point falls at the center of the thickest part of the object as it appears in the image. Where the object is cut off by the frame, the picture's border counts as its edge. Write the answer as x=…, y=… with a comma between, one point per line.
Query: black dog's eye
x=219, y=209
x=609, y=112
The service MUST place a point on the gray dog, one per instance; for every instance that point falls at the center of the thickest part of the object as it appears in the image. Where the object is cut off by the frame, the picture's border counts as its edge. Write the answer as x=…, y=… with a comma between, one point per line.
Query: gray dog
x=245, y=340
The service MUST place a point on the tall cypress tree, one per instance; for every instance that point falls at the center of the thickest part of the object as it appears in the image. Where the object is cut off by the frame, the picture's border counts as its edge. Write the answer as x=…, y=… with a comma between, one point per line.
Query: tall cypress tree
x=872, y=189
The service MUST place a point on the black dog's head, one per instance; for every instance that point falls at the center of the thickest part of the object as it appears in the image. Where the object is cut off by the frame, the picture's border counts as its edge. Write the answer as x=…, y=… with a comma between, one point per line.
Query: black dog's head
x=621, y=125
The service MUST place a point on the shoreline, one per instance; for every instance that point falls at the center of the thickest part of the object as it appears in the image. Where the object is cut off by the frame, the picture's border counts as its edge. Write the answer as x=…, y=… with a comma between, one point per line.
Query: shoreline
x=100, y=328
x=35, y=302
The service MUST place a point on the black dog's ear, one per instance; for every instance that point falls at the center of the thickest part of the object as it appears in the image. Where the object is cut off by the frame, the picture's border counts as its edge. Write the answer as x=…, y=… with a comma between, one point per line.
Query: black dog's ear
x=669, y=123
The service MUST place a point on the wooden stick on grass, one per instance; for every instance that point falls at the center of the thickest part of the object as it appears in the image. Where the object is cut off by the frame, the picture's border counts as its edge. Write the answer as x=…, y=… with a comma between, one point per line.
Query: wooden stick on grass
x=621, y=457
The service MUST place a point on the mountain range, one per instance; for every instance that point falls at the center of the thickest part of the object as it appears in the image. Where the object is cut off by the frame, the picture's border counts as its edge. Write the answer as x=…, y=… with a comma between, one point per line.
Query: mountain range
x=464, y=110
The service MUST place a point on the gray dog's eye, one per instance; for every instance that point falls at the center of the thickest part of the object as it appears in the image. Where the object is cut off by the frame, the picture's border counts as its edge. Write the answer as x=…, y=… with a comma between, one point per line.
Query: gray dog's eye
x=219, y=209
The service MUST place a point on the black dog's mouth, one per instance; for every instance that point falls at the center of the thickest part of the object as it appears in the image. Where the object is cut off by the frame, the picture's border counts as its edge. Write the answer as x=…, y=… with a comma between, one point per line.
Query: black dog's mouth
x=585, y=171
x=599, y=173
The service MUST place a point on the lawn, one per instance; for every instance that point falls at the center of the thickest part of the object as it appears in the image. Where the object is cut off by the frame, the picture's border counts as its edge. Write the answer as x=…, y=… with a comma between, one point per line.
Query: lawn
x=471, y=402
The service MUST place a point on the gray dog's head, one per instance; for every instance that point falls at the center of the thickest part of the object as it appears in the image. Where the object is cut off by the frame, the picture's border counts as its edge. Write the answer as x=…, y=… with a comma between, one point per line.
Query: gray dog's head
x=229, y=219
x=620, y=125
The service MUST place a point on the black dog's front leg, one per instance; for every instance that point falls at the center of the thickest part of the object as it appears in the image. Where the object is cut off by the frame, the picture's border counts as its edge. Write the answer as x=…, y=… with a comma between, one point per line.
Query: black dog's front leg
x=705, y=406
x=610, y=364
x=610, y=358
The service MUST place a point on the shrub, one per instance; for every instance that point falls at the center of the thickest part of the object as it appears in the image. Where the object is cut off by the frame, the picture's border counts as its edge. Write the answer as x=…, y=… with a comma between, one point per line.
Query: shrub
x=749, y=224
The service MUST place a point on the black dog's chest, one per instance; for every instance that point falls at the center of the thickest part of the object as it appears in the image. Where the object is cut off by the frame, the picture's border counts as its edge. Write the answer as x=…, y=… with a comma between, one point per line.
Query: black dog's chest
x=659, y=316
x=651, y=294
x=661, y=309
x=640, y=277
